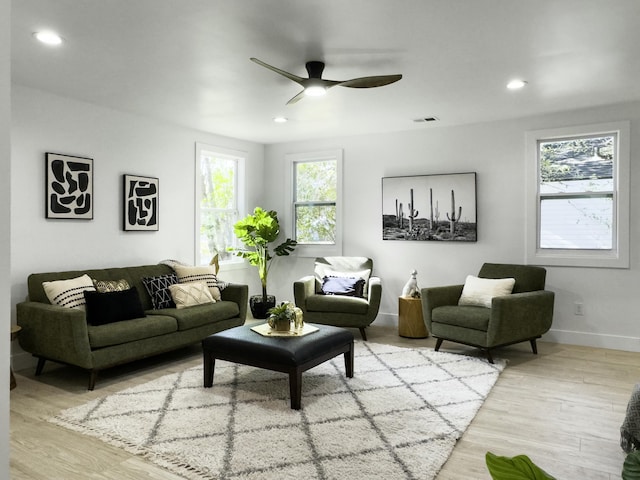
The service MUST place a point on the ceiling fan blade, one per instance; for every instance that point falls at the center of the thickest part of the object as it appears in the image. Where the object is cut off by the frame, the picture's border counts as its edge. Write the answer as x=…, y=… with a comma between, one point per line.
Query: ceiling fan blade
x=369, y=82
x=296, y=99
x=290, y=76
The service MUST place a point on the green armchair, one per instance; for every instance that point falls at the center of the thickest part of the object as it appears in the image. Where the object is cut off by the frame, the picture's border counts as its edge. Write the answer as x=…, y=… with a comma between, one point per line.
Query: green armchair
x=351, y=311
x=521, y=316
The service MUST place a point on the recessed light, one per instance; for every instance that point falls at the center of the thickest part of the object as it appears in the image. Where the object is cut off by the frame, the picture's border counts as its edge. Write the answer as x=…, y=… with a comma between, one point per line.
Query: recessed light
x=48, y=37
x=516, y=84
x=280, y=119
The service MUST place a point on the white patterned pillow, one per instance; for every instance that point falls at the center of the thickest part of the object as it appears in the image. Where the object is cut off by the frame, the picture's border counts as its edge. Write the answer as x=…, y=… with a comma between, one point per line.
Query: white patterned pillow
x=207, y=274
x=479, y=291
x=68, y=293
x=189, y=294
x=322, y=270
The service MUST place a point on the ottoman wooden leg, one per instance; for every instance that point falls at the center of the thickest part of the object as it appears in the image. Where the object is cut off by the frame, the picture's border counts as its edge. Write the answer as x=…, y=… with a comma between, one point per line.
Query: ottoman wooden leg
x=348, y=362
x=295, y=388
x=209, y=365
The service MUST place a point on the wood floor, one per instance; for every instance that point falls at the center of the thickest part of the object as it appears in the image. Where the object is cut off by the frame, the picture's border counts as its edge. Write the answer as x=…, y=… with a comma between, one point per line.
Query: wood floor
x=562, y=407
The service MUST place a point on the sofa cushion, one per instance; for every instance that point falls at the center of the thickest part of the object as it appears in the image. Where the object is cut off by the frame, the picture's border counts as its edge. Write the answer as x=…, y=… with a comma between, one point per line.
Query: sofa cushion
x=349, y=286
x=199, y=315
x=68, y=293
x=104, y=286
x=479, y=291
x=337, y=304
x=204, y=273
x=186, y=295
x=476, y=318
x=158, y=288
x=109, y=307
x=131, y=330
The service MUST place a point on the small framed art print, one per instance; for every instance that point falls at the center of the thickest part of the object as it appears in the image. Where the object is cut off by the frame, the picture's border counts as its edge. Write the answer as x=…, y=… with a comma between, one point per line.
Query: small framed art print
x=141, y=196
x=69, y=187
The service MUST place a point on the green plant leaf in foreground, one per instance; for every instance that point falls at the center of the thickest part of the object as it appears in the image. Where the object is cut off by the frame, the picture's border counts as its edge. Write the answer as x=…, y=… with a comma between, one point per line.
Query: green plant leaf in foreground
x=519, y=467
x=631, y=466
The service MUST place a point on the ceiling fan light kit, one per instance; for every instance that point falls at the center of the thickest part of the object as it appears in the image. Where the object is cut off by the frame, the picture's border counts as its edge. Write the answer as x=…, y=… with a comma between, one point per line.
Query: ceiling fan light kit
x=315, y=85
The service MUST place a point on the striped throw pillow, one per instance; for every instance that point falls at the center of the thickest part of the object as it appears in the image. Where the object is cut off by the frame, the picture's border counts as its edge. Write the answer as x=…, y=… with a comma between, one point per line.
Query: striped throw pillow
x=68, y=293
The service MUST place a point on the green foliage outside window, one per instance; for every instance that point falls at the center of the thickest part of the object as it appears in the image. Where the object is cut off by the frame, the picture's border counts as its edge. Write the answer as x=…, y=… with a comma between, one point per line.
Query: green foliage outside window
x=315, y=201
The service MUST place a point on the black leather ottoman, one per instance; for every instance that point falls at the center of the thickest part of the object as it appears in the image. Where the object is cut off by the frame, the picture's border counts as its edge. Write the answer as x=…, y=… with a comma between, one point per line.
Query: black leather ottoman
x=292, y=355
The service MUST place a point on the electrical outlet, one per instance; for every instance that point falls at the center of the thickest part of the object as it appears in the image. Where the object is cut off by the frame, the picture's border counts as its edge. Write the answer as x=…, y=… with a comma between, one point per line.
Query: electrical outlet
x=578, y=308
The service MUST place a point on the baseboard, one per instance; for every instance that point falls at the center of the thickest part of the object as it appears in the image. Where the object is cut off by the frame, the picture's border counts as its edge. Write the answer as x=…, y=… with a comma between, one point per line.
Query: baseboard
x=599, y=340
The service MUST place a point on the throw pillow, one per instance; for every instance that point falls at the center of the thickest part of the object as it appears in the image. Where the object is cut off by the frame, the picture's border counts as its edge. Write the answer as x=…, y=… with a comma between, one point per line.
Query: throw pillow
x=188, y=274
x=479, y=291
x=349, y=286
x=190, y=294
x=104, y=286
x=109, y=307
x=68, y=293
x=519, y=467
x=322, y=270
x=158, y=288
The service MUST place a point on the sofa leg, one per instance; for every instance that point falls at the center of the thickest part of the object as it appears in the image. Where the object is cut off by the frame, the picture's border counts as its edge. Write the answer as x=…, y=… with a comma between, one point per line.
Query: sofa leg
x=534, y=346
x=92, y=379
x=40, y=366
x=439, y=344
x=363, y=333
x=489, y=356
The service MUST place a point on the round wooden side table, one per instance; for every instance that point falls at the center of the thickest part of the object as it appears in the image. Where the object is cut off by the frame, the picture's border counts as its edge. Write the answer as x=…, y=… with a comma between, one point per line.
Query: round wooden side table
x=410, y=321
x=14, y=334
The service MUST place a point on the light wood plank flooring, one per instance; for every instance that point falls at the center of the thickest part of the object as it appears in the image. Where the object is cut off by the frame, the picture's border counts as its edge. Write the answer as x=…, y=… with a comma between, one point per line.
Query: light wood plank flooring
x=562, y=407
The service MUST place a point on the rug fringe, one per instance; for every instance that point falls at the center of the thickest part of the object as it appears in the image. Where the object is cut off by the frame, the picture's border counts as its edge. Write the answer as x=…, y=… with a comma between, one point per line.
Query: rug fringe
x=172, y=464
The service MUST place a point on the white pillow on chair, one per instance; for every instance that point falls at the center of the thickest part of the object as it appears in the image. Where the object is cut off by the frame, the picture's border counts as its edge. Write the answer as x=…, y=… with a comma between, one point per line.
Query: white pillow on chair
x=478, y=291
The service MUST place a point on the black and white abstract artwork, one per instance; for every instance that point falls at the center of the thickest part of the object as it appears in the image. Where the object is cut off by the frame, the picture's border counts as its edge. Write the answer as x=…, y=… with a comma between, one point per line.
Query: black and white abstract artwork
x=141, y=196
x=69, y=187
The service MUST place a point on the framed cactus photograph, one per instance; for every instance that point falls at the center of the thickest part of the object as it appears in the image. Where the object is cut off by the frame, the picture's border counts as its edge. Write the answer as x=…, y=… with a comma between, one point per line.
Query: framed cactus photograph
x=430, y=207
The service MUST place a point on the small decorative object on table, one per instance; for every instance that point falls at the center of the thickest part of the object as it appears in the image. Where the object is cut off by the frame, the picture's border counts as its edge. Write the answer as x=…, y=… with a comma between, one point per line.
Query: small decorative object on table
x=285, y=320
x=280, y=317
x=411, y=287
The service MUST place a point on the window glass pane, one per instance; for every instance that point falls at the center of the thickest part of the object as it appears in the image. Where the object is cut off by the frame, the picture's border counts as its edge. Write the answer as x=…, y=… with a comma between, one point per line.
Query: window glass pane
x=216, y=234
x=218, y=182
x=576, y=223
x=315, y=224
x=316, y=181
x=577, y=165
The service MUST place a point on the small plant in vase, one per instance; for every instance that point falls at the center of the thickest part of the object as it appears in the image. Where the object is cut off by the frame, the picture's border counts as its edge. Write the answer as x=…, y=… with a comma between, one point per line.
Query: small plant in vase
x=282, y=316
x=257, y=232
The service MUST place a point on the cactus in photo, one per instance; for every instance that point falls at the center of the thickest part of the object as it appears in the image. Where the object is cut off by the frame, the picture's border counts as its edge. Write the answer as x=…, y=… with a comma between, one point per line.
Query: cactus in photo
x=413, y=214
x=453, y=220
x=399, y=214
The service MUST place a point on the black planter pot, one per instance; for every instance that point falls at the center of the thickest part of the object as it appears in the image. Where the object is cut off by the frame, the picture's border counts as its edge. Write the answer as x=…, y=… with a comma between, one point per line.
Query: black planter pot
x=259, y=309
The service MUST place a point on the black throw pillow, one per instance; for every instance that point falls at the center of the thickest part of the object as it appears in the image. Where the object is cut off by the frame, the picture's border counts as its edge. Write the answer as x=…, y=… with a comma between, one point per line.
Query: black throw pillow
x=109, y=307
x=349, y=286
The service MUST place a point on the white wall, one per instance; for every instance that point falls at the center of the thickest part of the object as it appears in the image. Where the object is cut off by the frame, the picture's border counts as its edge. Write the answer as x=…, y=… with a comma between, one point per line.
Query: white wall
x=496, y=151
x=5, y=213
x=119, y=143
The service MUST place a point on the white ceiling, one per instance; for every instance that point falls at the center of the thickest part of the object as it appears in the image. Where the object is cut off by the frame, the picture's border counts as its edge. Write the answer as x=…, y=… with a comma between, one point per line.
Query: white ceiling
x=187, y=61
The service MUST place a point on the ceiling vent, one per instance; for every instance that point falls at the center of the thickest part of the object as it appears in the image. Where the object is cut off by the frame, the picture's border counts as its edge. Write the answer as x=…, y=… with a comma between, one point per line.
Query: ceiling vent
x=425, y=119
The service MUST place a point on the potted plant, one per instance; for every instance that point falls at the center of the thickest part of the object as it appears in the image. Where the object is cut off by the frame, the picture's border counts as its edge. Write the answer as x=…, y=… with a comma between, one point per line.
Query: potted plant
x=257, y=232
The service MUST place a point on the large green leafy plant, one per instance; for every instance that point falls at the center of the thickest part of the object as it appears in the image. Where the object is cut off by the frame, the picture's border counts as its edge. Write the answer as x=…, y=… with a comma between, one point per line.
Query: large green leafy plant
x=257, y=232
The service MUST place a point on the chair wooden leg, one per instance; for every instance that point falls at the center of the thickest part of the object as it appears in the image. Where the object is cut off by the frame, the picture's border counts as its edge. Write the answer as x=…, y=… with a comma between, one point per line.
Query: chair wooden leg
x=438, y=343
x=92, y=379
x=534, y=346
x=489, y=356
x=40, y=366
x=363, y=333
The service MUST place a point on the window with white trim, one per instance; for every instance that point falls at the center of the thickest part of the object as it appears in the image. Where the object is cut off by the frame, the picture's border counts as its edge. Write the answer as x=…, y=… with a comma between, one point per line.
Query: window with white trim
x=578, y=196
x=219, y=202
x=315, y=218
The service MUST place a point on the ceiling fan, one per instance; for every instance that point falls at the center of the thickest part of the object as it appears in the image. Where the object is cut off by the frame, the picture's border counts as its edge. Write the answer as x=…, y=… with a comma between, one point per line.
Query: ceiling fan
x=315, y=85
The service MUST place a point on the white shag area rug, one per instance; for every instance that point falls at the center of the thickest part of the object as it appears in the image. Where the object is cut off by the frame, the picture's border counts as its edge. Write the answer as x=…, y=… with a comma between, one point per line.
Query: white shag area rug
x=398, y=418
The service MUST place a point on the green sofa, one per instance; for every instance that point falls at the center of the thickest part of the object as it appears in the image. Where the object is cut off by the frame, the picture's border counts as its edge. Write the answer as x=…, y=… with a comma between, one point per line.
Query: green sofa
x=52, y=332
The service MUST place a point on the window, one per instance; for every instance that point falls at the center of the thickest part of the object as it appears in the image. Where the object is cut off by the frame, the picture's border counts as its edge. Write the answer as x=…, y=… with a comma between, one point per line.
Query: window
x=316, y=197
x=219, y=202
x=578, y=196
